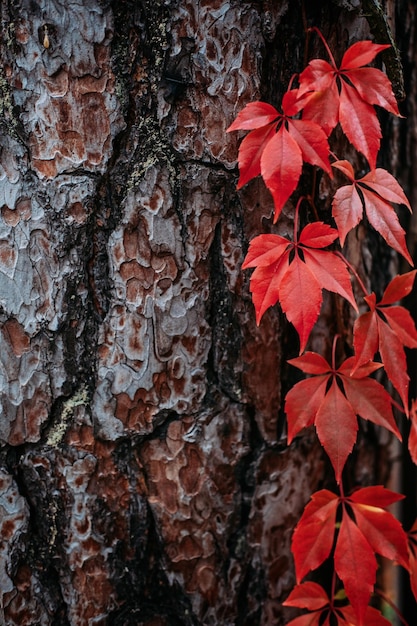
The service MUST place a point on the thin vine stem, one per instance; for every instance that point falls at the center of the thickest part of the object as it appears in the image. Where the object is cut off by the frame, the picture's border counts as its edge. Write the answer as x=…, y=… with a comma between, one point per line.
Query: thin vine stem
x=297, y=210
x=310, y=198
x=354, y=272
x=325, y=44
x=335, y=338
x=292, y=79
x=390, y=603
x=333, y=589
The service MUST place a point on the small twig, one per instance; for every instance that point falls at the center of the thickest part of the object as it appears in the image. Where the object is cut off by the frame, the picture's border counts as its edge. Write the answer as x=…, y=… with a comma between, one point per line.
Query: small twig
x=390, y=603
x=325, y=44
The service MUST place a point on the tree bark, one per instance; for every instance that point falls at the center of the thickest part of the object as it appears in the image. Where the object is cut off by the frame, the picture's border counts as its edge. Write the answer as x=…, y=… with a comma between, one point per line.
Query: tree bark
x=145, y=476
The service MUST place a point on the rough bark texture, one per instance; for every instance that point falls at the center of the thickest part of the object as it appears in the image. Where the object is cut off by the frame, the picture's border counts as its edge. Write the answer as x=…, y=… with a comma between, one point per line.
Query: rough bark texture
x=145, y=477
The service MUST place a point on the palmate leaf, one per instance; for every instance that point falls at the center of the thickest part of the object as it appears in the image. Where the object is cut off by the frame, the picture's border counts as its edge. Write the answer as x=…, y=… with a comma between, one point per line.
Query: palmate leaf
x=326, y=614
x=375, y=193
x=278, y=145
x=365, y=528
x=294, y=273
x=347, y=95
x=332, y=400
x=387, y=328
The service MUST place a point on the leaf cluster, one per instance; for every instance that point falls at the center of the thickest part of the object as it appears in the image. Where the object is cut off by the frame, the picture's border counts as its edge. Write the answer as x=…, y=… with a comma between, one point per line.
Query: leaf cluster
x=293, y=273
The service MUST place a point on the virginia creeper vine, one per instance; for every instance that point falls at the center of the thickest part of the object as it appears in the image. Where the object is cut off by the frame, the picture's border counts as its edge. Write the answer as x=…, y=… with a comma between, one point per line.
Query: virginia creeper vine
x=349, y=530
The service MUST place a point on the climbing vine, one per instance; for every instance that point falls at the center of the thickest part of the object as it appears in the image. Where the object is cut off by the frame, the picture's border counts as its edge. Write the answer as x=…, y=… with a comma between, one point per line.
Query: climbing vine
x=346, y=530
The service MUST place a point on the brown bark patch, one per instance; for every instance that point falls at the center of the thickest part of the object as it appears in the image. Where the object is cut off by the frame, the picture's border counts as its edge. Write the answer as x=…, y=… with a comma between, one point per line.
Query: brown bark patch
x=16, y=335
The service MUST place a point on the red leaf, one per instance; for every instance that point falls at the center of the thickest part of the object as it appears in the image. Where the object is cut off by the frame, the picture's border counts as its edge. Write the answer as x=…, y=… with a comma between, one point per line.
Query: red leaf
x=311, y=363
x=366, y=337
x=361, y=53
x=370, y=400
x=344, y=616
x=254, y=115
x=374, y=87
x=281, y=165
x=322, y=107
x=313, y=536
x=376, y=495
x=375, y=530
x=372, y=617
x=318, y=76
x=383, y=218
x=360, y=123
x=301, y=414
x=359, y=372
x=265, y=283
x=250, y=153
x=371, y=530
x=401, y=322
x=317, y=235
x=331, y=273
x=347, y=95
x=400, y=287
x=265, y=250
x=385, y=185
x=300, y=298
x=292, y=103
x=378, y=189
x=277, y=146
x=312, y=141
x=394, y=360
x=308, y=619
x=308, y=595
x=347, y=210
x=333, y=411
x=297, y=284
x=387, y=329
x=355, y=564
x=345, y=167
x=337, y=436
x=383, y=532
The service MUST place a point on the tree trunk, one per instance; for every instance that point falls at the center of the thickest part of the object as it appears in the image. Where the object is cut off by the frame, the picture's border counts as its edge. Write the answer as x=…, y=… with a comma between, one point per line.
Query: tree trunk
x=145, y=474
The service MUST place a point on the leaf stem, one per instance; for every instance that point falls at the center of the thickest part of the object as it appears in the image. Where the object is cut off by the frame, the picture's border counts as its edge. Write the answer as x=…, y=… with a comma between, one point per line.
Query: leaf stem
x=335, y=338
x=293, y=77
x=329, y=52
x=354, y=272
x=333, y=590
x=297, y=209
x=390, y=603
x=313, y=193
